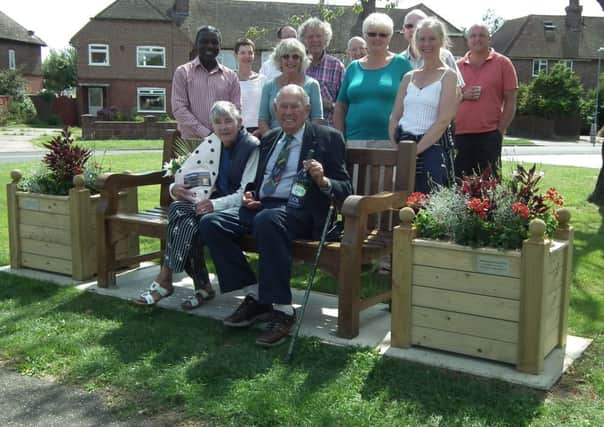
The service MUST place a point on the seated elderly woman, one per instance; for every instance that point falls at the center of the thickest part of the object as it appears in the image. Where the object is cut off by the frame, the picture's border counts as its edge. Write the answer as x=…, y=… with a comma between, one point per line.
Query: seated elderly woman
x=290, y=57
x=238, y=161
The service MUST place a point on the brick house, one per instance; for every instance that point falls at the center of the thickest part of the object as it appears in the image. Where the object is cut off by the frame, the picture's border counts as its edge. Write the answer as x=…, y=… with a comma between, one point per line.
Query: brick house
x=537, y=42
x=127, y=54
x=21, y=50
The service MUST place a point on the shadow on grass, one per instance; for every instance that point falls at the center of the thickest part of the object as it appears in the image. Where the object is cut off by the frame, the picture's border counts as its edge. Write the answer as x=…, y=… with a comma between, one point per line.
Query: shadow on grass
x=438, y=395
x=164, y=360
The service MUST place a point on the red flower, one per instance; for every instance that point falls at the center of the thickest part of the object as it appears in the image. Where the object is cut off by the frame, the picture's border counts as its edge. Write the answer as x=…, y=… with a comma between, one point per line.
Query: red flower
x=480, y=206
x=520, y=209
x=555, y=197
x=417, y=200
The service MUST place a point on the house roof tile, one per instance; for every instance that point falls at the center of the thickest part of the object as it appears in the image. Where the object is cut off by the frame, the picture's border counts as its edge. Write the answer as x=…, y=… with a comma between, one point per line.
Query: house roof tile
x=526, y=37
x=11, y=30
x=146, y=10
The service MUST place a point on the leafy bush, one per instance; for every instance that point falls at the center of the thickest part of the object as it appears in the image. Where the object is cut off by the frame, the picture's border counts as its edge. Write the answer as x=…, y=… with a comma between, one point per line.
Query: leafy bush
x=552, y=94
x=21, y=108
x=63, y=161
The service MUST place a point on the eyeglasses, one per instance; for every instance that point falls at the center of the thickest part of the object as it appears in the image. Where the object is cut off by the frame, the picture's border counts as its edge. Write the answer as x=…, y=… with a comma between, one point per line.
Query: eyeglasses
x=409, y=26
x=374, y=34
x=294, y=56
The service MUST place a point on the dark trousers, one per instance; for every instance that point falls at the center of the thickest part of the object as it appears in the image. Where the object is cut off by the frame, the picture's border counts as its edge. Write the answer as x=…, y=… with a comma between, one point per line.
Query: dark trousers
x=274, y=227
x=431, y=169
x=477, y=151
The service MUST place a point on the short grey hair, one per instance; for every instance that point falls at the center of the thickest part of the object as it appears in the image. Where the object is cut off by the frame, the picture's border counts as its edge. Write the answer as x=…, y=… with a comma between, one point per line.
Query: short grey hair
x=479, y=25
x=356, y=39
x=222, y=109
x=298, y=90
x=290, y=47
x=435, y=26
x=415, y=12
x=378, y=21
x=316, y=24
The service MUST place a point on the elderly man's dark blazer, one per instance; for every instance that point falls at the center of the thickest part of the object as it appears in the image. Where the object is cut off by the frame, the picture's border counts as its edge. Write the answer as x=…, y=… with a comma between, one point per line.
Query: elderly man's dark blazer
x=330, y=150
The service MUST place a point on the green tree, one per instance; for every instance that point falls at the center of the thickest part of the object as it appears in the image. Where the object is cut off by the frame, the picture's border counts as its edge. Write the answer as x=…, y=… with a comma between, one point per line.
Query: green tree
x=59, y=70
x=556, y=93
x=493, y=20
x=21, y=108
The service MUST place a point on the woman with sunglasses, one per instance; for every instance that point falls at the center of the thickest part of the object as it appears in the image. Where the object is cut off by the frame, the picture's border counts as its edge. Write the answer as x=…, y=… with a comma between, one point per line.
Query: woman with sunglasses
x=290, y=57
x=425, y=105
x=370, y=84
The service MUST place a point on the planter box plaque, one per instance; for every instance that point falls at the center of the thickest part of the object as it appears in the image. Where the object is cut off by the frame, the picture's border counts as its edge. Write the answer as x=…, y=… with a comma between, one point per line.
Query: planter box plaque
x=57, y=233
x=508, y=306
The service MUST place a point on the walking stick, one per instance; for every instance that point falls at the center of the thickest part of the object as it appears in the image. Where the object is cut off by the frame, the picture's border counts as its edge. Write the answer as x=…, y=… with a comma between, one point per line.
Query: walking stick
x=311, y=278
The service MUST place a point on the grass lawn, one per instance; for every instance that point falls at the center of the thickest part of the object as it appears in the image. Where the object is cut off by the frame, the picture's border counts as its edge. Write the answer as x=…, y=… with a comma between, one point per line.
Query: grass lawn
x=155, y=361
x=103, y=144
x=516, y=141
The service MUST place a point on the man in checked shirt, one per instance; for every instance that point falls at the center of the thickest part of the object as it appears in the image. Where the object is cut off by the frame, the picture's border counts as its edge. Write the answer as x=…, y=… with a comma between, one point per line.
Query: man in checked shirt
x=198, y=84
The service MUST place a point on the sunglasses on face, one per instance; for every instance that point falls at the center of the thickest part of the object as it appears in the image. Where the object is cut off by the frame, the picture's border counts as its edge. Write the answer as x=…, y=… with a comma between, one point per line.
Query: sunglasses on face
x=294, y=56
x=409, y=26
x=374, y=34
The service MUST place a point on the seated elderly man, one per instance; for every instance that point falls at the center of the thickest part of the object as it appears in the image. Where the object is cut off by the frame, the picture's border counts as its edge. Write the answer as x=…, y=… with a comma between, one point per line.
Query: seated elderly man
x=268, y=212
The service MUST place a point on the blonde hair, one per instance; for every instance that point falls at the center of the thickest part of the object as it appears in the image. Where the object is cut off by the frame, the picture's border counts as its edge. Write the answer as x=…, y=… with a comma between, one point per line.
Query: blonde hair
x=289, y=47
x=436, y=26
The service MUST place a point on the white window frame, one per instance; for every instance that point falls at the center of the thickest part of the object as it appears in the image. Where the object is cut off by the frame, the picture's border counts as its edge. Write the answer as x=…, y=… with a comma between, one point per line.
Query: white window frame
x=150, y=49
x=569, y=63
x=153, y=91
x=541, y=65
x=12, y=61
x=98, y=48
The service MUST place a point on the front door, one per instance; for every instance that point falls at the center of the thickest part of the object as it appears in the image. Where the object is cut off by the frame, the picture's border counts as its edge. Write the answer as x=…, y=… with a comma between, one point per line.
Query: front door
x=95, y=99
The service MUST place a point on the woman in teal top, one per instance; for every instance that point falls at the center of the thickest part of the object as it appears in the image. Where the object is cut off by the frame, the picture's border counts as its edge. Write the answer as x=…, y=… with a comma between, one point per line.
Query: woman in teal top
x=290, y=57
x=370, y=84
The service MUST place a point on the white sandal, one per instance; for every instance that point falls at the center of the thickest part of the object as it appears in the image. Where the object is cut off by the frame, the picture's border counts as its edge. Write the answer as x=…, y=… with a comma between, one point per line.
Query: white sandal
x=146, y=298
x=198, y=298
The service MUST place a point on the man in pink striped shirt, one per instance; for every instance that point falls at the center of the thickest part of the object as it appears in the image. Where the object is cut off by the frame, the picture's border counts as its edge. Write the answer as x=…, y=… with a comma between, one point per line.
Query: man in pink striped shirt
x=201, y=82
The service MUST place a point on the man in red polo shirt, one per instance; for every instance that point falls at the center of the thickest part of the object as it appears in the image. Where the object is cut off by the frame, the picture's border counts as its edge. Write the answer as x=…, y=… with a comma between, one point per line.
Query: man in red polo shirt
x=488, y=104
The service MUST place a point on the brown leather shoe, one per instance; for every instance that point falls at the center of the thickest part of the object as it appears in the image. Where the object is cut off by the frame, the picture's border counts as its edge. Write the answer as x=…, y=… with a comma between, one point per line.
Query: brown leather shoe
x=279, y=325
x=249, y=312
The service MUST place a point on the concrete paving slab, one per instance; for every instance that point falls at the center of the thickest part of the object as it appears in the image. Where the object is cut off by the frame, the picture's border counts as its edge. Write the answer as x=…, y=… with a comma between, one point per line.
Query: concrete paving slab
x=321, y=321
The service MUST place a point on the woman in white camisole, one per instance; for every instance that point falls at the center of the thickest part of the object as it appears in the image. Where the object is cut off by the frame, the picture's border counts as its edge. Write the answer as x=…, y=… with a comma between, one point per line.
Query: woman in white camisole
x=425, y=105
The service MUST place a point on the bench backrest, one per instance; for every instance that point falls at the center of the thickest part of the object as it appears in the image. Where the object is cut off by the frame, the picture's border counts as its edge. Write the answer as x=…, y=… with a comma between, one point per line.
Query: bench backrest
x=378, y=166
x=375, y=166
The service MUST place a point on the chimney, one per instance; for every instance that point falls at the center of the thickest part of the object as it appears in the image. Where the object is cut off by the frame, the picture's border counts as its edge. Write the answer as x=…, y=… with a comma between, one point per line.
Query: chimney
x=574, y=19
x=30, y=33
x=181, y=8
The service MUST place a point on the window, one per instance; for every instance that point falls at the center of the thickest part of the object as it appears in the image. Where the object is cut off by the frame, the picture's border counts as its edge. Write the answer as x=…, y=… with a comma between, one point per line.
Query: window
x=227, y=58
x=98, y=54
x=538, y=66
x=151, y=100
x=150, y=56
x=12, y=63
x=569, y=63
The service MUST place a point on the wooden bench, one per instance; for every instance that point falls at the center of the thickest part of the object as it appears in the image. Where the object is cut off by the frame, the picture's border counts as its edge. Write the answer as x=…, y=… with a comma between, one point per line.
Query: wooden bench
x=383, y=177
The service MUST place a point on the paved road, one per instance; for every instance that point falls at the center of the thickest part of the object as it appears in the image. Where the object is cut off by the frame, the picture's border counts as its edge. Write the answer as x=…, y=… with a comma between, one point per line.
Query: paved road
x=32, y=402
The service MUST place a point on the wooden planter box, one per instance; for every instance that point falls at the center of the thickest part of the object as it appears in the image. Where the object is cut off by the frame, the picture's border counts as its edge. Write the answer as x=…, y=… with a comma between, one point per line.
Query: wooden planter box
x=507, y=306
x=57, y=233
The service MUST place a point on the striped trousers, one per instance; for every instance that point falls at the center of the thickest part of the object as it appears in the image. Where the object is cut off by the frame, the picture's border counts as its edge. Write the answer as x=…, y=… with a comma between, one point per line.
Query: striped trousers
x=184, y=248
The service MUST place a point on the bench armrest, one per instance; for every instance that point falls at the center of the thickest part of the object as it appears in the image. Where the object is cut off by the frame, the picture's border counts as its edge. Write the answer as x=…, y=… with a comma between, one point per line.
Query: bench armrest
x=357, y=206
x=112, y=183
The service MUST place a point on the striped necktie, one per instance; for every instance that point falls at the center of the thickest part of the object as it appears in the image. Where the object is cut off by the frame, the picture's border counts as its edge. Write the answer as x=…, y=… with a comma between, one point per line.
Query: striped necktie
x=273, y=180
